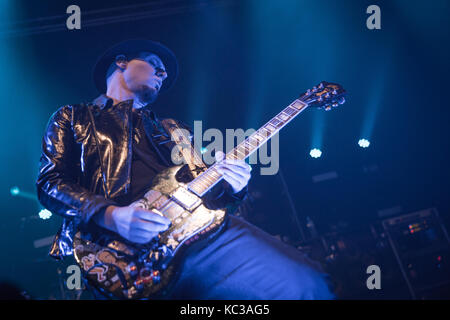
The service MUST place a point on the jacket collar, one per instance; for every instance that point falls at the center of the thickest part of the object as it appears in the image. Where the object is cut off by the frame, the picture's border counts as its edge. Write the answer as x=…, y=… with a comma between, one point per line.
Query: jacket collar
x=105, y=102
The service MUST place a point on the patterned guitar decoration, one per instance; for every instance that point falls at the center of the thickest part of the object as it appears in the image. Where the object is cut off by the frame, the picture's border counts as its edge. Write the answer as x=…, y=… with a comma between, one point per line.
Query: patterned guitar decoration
x=121, y=269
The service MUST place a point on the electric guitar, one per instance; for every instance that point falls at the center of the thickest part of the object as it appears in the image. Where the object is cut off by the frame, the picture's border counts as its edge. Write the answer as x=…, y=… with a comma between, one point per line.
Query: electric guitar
x=119, y=268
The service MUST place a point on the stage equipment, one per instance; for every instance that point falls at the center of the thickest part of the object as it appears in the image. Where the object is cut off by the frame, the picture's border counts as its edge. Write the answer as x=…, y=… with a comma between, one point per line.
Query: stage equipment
x=421, y=246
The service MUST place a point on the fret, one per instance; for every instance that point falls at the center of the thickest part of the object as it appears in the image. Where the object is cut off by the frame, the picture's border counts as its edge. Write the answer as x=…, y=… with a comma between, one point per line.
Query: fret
x=249, y=145
x=246, y=148
x=258, y=137
x=230, y=156
x=297, y=104
x=241, y=154
x=246, y=151
x=283, y=116
x=261, y=139
x=290, y=111
x=210, y=177
x=254, y=145
x=265, y=133
x=239, y=149
x=276, y=123
x=236, y=151
x=270, y=128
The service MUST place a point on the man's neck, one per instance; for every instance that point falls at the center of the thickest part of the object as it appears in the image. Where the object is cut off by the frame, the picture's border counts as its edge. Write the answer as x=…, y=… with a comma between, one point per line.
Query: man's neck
x=118, y=93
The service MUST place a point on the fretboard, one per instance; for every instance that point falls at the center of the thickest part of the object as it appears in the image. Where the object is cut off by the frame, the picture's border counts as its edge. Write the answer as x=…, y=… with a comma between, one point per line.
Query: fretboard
x=204, y=182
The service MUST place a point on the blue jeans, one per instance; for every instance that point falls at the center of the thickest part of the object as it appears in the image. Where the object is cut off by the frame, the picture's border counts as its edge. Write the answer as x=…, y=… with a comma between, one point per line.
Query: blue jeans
x=245, y=262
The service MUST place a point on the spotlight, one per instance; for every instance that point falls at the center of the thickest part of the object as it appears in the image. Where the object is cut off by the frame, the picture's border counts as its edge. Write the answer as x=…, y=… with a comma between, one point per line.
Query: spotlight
x=45, y=214
x=14, y=191
x=364, y=143
x=315, y=153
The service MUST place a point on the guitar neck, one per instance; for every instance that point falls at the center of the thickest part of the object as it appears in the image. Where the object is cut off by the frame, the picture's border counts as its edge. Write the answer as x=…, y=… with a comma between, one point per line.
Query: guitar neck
x=208, y=179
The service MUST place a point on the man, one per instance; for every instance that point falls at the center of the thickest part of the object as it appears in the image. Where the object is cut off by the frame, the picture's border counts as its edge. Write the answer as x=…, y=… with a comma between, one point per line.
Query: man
x=98, y=158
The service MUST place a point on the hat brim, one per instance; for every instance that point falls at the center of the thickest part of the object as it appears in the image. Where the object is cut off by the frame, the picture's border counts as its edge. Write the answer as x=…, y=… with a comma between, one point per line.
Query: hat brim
x=130, y=48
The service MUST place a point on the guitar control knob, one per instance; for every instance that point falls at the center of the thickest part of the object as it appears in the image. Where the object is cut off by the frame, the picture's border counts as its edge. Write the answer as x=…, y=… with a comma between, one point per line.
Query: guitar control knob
x=132, y=269
x=156, y=277
x=139, y=284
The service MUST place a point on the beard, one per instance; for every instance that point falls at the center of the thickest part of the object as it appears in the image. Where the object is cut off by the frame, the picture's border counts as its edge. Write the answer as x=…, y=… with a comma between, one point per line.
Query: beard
x=146, y=94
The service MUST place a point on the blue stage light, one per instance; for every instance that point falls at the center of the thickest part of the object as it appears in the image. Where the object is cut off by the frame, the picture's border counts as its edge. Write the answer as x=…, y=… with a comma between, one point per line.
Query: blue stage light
x=364, y=143
x=45, y=214
x=315, y=153
x=14, y=191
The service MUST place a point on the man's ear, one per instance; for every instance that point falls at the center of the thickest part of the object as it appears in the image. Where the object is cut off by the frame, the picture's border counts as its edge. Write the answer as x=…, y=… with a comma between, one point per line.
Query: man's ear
x=121, y=62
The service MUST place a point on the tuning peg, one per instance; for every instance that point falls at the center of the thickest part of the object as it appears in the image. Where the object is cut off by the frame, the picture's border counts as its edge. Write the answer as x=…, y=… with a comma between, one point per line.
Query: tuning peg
x=321, y=85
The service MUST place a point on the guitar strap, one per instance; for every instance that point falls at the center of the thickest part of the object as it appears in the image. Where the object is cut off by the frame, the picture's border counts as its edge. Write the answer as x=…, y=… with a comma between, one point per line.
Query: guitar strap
x=184, y=147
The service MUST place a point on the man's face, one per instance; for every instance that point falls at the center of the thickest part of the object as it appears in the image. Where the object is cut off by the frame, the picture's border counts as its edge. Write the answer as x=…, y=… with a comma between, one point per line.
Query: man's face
x=145, y=78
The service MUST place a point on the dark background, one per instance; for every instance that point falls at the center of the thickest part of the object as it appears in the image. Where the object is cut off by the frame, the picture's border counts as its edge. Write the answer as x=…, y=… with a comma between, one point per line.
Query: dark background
x=241, y=62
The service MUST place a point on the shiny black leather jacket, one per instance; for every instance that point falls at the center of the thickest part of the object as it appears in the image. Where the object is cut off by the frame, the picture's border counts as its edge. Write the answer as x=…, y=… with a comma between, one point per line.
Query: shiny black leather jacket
x=85, y=164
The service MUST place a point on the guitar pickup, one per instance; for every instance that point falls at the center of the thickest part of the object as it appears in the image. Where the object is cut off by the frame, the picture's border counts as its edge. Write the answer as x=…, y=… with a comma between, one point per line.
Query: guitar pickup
x=186, y=199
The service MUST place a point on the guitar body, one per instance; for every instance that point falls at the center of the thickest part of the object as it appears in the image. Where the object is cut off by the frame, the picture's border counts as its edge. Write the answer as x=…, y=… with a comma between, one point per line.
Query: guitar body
x=122, y=269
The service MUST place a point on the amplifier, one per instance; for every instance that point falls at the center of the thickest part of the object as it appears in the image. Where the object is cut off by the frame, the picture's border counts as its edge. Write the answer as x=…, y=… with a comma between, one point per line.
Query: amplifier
x=421, y=246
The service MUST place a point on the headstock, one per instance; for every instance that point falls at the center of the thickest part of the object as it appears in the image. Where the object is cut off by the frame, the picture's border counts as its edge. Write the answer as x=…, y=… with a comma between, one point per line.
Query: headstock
x=326, y=95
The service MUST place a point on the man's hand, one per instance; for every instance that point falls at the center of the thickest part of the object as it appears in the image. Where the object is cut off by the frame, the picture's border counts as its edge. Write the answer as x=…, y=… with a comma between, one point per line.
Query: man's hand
x=134, y=224
x=235, y=172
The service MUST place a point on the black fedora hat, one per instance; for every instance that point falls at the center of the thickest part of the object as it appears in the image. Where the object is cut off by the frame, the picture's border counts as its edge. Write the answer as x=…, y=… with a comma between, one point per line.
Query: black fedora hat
x=131, y=49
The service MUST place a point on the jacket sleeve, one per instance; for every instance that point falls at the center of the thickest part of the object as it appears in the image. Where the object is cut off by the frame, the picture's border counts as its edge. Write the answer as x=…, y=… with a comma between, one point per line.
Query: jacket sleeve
x=221, y=196
x=57, y=184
